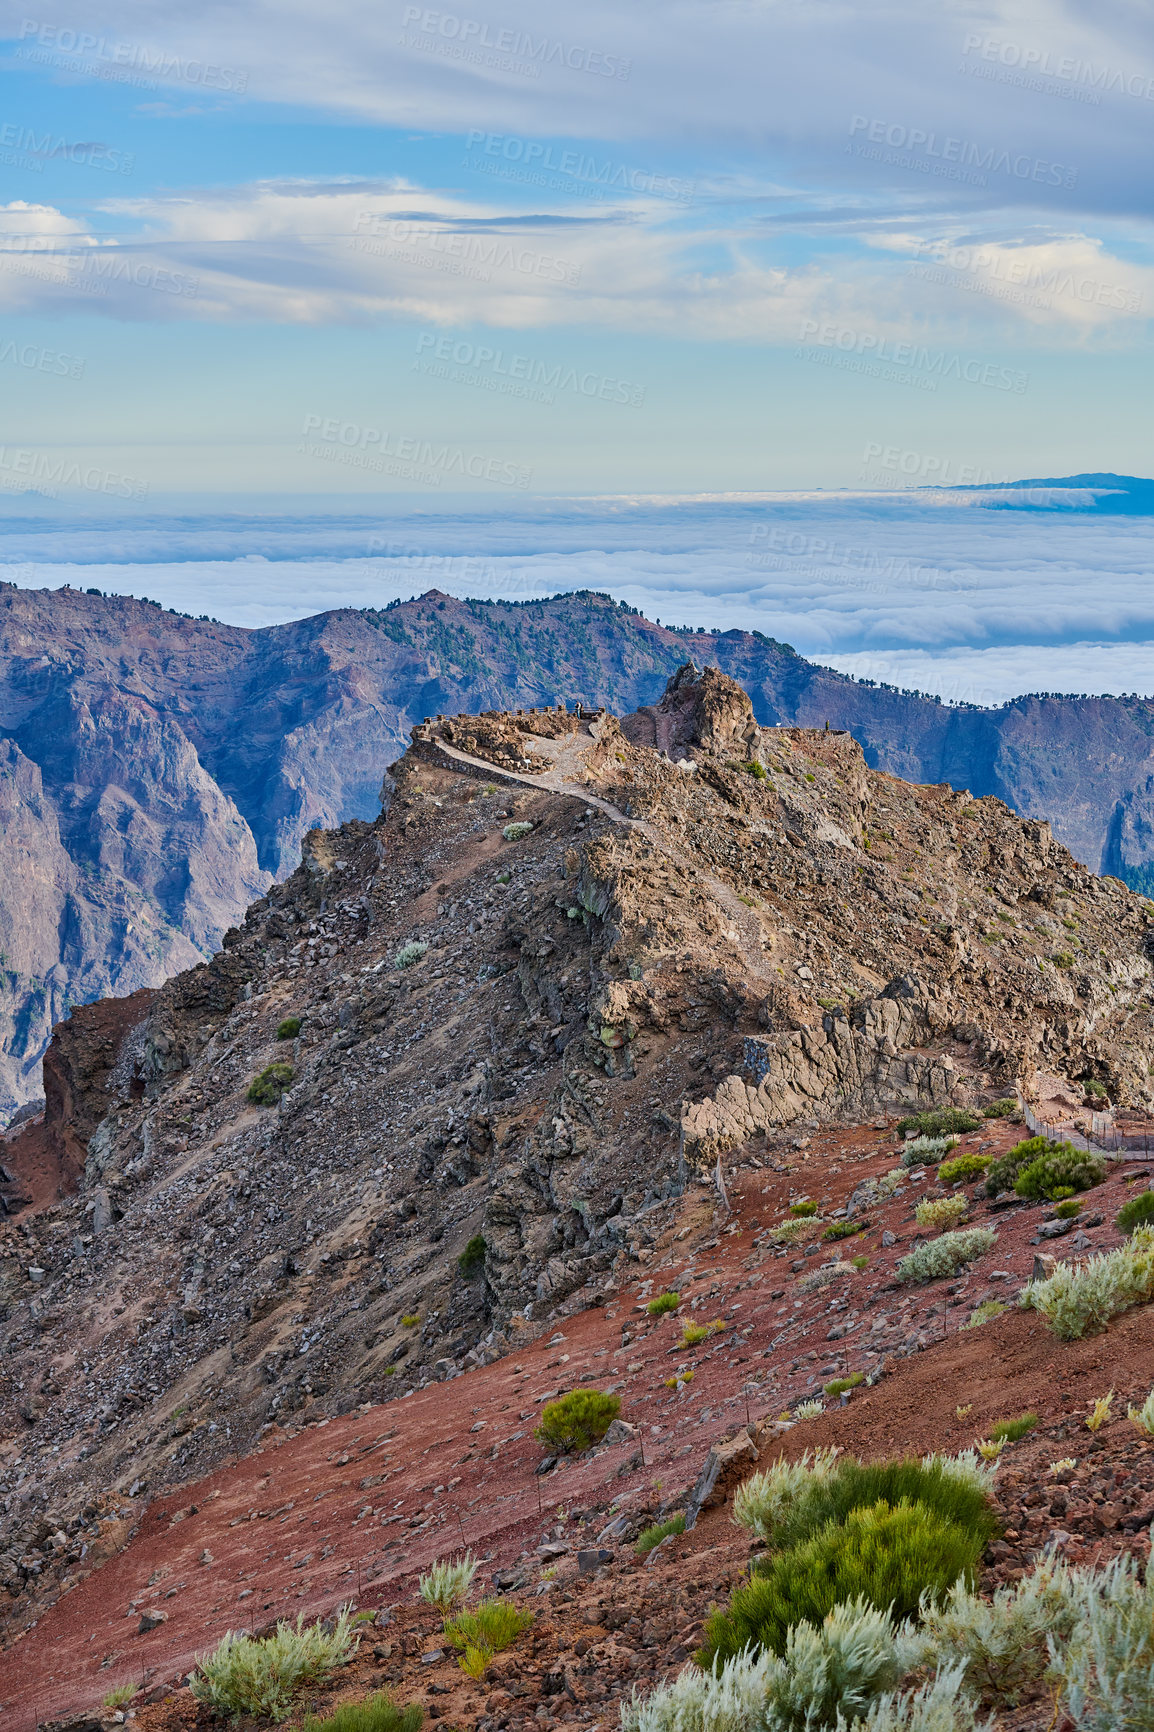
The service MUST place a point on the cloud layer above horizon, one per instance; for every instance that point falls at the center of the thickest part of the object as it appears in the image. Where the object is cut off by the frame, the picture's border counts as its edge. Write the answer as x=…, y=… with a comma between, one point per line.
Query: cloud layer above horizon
x=921, y=594
x=683, y=252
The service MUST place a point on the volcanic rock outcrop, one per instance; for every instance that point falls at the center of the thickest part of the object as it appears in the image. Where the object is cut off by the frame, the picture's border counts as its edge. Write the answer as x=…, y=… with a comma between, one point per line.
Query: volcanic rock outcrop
x=571, y=964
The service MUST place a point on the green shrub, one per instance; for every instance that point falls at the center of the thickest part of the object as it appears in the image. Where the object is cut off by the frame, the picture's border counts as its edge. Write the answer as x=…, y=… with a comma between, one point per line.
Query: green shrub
x=1143, y=1417
x=1063, y=959
x=410, y=1320
x=940, y=1122
x=472, y=1257
x=805, y=1207
x=514, y=832
x=753, y=768
x=1136, y=1212
x=663, y=1303
x=888, y=1556
x=825, y=1677
x=289, y=1028
x=410, y=953
x=1010, y=1430
x=244, y=1675
x=693, y=1335
x=790, y=1502
x=1080, y=1299
x=962, y=1169
x=840, y=1385
x=654, y=1535
x=266, y=1089
x=494, y=1625
x=1007, y=1108
x=939, y=1212
x=119, y=1696
x=1061, y=1170
x=842, y=1230
x=377, y=1713
x=947, y=1254
x=578, y=1420
x=984, y=1313
x=795, y=1232
x=1003, y=1173
x=1096, y=1091
x=447, y=1584
x=1068, y=1208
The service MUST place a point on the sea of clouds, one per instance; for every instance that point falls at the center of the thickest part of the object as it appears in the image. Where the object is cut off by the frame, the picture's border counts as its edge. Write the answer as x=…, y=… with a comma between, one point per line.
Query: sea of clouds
x=928, y=591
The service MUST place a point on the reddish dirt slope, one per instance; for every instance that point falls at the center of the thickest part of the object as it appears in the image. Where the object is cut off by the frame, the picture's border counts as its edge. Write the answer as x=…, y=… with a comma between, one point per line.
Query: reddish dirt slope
x=353, y=1508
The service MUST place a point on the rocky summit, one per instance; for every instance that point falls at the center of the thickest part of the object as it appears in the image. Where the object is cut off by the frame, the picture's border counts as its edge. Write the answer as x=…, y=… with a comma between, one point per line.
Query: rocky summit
x=158, y=772
x=458, y=1074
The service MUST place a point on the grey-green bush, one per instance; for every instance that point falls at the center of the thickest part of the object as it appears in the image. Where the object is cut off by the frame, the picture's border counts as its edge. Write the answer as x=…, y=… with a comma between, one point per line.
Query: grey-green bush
x=1106, y=1662
x=946, y=1254
x=1002, y=1640
x=244, y=1675
x=1080, y=1298
x=835, y=1668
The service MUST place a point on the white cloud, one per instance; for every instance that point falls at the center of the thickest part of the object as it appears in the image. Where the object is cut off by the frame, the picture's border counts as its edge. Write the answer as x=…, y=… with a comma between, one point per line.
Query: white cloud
x=966, y=602
x=736, y=78
x=993, y=676
x=314, y=253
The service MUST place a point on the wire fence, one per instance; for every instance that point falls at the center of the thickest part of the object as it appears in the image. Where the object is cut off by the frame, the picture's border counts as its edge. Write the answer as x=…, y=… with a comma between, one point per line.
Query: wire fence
x=1106, y=1136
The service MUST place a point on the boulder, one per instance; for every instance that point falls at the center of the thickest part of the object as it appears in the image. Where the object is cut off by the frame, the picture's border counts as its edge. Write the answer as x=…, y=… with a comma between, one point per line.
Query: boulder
x=726, y=1465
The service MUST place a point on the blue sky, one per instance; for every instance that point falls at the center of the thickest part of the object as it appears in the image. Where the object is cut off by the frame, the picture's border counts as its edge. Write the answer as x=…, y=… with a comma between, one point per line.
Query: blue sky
x=531, y=250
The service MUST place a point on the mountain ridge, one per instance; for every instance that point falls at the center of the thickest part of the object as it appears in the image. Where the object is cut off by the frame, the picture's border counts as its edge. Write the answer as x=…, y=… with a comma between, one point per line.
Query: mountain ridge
x=158, y=772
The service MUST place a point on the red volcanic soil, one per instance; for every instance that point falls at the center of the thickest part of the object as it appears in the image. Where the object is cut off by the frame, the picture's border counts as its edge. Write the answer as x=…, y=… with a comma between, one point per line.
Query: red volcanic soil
x=353, y=1509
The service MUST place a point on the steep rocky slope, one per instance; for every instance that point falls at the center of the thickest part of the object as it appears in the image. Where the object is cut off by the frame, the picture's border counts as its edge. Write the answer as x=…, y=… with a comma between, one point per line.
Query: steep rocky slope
x=357, y=1507
x=155, y=771
x=696, y=931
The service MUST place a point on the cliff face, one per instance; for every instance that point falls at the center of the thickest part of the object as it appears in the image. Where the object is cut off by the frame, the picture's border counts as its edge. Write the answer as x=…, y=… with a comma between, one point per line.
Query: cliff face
x=157, y=771
x=544, y=992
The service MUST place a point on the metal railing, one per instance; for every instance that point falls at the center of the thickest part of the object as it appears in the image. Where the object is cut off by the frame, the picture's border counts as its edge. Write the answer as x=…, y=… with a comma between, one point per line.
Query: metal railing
x=1106, y=1137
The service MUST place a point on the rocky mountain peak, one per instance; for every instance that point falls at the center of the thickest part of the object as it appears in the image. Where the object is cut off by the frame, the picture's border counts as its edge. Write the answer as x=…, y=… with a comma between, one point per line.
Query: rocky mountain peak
x=566, y=979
